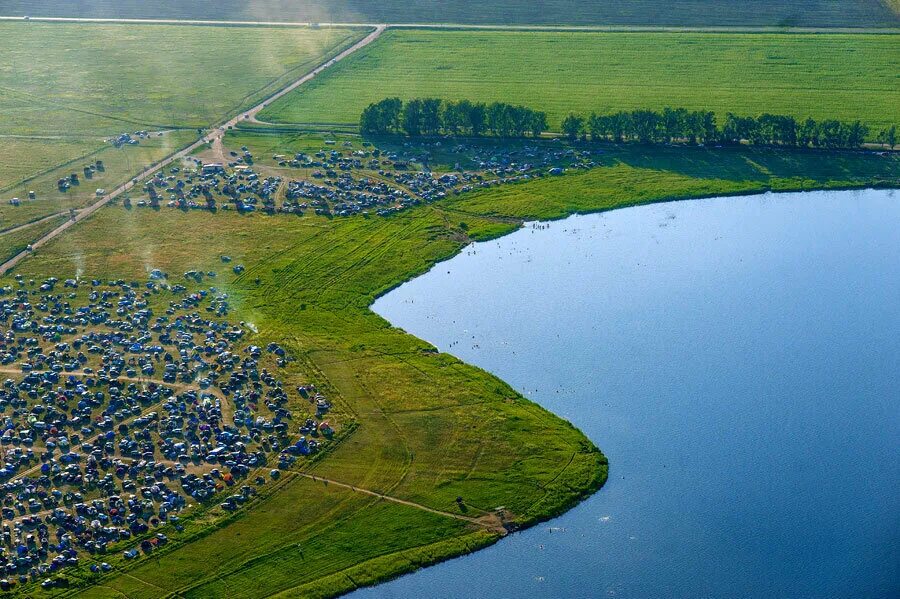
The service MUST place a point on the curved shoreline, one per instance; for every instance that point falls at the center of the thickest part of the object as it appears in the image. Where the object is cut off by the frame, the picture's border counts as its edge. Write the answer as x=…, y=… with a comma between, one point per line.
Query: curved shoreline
x=603, y=470
x=587, y=492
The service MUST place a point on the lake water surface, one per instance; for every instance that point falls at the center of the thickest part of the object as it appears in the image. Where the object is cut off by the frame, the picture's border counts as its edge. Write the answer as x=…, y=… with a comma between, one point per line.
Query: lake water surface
x=738, y=361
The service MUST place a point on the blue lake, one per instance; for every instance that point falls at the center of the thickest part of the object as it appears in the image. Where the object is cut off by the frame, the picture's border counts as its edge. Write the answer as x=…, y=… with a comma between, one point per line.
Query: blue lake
x=738, y=361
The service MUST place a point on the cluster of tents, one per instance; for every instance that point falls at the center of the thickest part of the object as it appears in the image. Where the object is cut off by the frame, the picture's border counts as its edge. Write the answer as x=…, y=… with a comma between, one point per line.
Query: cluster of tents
x=129, y=408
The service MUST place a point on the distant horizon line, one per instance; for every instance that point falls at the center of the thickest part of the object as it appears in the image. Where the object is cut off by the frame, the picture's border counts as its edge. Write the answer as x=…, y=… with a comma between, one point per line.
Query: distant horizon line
x=463, y=26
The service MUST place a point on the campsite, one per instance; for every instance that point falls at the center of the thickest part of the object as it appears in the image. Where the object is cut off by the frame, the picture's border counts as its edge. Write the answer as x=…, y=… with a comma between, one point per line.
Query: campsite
x=197, y=399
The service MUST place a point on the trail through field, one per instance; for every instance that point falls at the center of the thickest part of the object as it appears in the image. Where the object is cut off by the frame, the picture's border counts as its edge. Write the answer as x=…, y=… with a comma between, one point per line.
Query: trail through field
x=44, y=219
x=491, y=521
x=214, y=136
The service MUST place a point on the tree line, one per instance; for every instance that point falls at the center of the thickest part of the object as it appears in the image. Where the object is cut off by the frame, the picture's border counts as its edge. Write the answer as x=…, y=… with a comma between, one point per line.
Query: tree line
x=433, y=116
x=679, y=125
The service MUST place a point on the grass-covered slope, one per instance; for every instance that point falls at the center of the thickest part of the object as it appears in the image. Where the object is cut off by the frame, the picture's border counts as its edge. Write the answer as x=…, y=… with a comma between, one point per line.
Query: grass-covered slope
x=426, y=427
x=582, y=72
x=772, y=13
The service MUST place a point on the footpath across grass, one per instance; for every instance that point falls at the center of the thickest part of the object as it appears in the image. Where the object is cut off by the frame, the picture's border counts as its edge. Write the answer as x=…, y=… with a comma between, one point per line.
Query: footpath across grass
x=746, y=74
x=428, y=428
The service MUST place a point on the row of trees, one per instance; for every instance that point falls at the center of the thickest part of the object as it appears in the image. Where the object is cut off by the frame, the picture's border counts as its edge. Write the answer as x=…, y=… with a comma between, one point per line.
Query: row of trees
x=684, y=126
x=433, y=116
x=645, y=126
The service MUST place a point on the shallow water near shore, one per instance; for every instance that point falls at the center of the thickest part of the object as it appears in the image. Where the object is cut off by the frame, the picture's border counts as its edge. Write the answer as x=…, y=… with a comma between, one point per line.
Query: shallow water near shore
x=738, y=361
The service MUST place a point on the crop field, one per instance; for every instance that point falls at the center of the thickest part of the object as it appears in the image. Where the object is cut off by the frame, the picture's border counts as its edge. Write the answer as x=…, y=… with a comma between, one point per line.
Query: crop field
x=775, y=13
x=584, y=72
x=104, y=79
x=426, y=428
x=26, y=157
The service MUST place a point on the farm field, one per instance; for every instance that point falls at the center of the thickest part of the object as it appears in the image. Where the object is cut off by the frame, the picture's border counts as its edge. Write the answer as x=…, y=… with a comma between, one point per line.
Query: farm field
x=426, y=428
x=105, y=79
x=583, y=72
x=14, y=241
x=27, y=157
x=812, y=13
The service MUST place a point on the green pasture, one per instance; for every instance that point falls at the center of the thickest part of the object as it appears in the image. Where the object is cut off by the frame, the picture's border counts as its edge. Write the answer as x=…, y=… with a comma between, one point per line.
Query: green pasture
x=13, y=242
x=845, y=77
x=24, y=158
x=63, y=78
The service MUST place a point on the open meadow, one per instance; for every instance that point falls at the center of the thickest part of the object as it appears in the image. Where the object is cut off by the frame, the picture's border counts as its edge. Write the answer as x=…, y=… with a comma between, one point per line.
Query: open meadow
x=27, y=157
x=604, y=72
x=765, y=13
x=105, y=79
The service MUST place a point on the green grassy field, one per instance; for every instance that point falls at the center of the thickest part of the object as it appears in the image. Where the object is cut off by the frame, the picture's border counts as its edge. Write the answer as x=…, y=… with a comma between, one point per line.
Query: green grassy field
x=26, y=157
x=582, y=72
x=635, y=175
x=13, y=242
x=104, y=79
x=428, y=428
x=815, y=13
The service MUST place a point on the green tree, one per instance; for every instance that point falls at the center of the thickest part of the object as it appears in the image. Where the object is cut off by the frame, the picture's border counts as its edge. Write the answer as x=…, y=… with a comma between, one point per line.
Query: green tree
x=381, y=117
x=537, y=123
x=620, y=126
x=645, y=125
x=498, y=119
x=431, y=116
x=477, y=118
x=596, y=126
x=808, y=133
x=572, y=126
x=675, y=123
x=831, y=134
x=412, y=118
x=454, y=116
x=888, y=136
x=855, y=134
